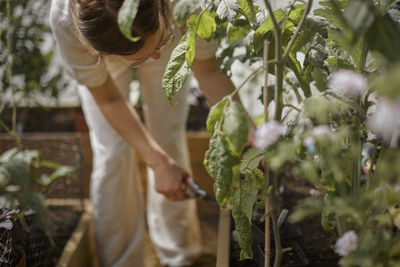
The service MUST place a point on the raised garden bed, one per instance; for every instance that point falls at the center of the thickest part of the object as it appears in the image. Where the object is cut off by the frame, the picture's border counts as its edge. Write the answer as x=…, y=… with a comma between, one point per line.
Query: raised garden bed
x=315, y=243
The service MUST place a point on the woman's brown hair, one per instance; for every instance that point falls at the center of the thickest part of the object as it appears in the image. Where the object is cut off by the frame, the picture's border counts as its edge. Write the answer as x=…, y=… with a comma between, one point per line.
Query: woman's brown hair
x=97, y=21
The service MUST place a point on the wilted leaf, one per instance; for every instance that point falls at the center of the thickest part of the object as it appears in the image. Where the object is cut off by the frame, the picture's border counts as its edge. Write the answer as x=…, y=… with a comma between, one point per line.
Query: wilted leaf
x=219, y=161
x=177, y=70
x=215, y=114
x=227, y=9
x=235, y=126
x=243, y=200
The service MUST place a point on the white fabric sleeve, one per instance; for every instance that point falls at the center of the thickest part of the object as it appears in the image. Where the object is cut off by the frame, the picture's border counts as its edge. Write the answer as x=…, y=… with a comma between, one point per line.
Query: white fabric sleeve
x=204, y=49
x=86, y=66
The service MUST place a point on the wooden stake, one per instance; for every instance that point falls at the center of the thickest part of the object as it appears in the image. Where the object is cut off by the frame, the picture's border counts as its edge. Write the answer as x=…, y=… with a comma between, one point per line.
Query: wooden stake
x=267, y=246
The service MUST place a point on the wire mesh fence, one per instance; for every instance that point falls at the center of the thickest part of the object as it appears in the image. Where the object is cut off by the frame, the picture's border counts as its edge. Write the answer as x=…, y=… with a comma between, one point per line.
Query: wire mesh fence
x=21, y=242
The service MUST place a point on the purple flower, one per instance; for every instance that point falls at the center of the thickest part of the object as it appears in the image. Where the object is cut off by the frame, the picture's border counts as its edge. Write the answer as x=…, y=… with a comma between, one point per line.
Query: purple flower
x=349, y=83
x=268, y=133
x=386, y=120
x=346, y=244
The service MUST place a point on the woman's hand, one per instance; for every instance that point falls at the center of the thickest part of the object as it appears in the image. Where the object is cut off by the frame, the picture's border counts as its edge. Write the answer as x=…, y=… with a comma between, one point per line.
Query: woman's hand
x=169, y=178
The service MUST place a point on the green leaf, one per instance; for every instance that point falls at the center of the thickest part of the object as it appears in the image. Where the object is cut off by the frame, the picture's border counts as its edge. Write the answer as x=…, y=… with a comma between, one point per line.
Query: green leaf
x=215, y=114
x=206, y=26
x=251, y=159
x=7, y=155
x=260, y=180
x=192, y=26
x=340, y=63
x=17, y=170
x=303, y=38
x=235, y=126
x=266, y=28
x=61, y=171
x=359, y=15
x=296, y=14
x=126, y=16
x=236, y=33
x=32, y=200
x=332, y=16
x=177, y=70
x=248, y=9
x=183, y=9
x=243, y=200
x=327, y=215
x=384, y=37
x=219, y=162
x=295, y=66
x=320, y=77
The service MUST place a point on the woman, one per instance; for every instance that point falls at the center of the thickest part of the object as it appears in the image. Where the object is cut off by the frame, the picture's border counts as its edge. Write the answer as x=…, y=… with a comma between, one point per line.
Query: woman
x=98, y=56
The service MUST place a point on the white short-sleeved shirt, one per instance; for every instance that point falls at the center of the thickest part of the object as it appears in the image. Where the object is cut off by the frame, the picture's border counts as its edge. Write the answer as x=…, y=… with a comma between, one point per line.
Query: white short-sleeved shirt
x=81, y=60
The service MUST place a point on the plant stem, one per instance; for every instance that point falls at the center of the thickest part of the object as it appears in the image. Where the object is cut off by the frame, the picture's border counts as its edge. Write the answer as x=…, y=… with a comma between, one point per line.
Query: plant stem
x=267, y=230
x=13, y=131
x=246, y=80
x=299, y=28
x=356, y=168
x=273, y=18
x=277, y=237
x=291, y=106
x=363, y=57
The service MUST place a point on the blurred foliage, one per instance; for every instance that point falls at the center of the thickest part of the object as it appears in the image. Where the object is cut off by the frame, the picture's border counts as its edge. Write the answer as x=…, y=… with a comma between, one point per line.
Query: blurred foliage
x=356, y=174
x=31, y=48
x=23, y=182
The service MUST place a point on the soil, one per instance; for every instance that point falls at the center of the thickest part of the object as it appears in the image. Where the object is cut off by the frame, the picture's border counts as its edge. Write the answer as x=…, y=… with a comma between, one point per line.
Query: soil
x=316, y=243
x=65, y=219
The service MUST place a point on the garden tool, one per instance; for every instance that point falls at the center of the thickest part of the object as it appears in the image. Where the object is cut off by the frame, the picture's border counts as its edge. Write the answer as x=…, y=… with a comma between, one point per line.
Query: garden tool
x=195, y=191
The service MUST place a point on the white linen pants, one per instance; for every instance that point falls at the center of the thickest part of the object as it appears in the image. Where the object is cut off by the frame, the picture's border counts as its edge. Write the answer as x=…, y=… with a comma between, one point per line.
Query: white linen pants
x=116, y=194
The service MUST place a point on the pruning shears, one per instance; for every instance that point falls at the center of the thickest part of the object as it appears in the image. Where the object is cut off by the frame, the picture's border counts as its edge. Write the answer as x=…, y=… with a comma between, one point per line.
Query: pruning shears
x=195, y=191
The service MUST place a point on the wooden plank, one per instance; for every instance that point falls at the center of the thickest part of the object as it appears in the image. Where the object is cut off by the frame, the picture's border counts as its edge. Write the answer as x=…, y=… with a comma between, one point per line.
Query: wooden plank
x=224, y=229
x=79, y=250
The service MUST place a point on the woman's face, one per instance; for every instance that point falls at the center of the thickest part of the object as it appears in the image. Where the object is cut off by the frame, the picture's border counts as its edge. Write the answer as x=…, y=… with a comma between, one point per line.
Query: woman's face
x=153, y=43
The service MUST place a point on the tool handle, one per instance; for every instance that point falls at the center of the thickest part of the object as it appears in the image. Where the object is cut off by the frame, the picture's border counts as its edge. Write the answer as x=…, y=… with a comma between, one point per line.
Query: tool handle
x=193, y=189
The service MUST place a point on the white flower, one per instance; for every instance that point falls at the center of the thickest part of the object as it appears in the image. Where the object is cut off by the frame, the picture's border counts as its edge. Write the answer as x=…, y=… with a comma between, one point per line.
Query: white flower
x=386, y=120
x=268, y=133
x=346, y=244
x=322, y=131
x=347, y=82
x=308, y=141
